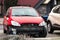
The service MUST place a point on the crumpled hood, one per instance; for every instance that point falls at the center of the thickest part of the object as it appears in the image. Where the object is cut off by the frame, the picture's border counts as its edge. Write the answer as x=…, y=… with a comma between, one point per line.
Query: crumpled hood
x=27, y=19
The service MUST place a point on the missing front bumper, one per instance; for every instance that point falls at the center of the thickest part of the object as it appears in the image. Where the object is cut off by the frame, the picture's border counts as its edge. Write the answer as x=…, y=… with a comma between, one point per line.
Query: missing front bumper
x=28, y=30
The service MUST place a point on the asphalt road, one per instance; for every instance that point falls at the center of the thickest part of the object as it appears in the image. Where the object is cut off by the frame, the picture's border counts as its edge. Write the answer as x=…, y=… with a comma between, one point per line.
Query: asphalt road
x=55, y=34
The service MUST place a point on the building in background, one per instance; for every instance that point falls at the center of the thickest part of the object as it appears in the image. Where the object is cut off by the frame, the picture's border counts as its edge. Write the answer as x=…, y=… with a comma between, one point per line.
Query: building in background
x=1, y=7
x=44, y=6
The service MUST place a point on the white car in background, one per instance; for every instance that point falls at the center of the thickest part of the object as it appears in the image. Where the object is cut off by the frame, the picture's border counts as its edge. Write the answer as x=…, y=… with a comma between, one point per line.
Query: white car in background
x=53, y=21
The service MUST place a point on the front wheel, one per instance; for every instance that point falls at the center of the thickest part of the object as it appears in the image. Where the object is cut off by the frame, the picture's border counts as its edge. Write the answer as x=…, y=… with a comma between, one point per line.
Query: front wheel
x=50, y=28
x=43, y=33
x=5, y=31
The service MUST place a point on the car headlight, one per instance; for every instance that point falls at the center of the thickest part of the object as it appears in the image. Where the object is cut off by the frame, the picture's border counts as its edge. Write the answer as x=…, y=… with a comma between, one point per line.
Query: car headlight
x=15, y=23
x=42, y=23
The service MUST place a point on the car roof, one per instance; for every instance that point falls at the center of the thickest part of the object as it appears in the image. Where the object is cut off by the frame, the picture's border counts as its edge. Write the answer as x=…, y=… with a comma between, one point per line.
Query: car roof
x=20, y=7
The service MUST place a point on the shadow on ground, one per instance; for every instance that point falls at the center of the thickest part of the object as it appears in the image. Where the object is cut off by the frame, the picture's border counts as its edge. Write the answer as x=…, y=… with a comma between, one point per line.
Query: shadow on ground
x=57, y=33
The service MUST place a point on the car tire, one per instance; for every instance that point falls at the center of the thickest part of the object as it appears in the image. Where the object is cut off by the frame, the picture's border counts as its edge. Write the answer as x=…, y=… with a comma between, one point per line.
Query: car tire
x=5, y=31
x=44, y=33
x=50, y=27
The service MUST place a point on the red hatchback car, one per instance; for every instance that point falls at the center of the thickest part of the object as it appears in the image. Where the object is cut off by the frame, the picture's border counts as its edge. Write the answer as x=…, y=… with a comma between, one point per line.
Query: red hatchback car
x=22, y=19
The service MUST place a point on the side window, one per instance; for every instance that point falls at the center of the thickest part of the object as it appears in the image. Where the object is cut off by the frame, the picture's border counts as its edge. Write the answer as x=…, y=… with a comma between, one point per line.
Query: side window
x=56, y=10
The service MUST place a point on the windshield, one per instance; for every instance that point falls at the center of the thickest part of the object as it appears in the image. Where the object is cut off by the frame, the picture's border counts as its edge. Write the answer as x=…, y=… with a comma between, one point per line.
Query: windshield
x=24, y=12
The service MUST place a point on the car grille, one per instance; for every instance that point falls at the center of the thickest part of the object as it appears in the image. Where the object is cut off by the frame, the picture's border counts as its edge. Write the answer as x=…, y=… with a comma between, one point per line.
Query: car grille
x=26, y=25
x=29, y=25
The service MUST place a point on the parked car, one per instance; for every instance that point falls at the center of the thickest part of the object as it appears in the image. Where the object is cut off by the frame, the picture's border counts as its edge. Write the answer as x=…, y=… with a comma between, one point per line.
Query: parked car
x=22, y=19
x=54, y=19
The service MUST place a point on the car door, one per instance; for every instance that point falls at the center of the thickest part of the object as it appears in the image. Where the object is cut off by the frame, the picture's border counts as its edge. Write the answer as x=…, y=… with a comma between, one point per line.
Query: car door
x=55, y=15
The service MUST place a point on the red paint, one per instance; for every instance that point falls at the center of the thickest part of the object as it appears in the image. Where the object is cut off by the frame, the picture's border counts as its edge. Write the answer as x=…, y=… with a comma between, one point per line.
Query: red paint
x=27, y=19
x=21, y=19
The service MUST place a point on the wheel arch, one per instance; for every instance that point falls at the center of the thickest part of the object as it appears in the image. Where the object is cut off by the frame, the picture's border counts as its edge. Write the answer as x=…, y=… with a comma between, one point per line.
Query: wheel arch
x=48, y=21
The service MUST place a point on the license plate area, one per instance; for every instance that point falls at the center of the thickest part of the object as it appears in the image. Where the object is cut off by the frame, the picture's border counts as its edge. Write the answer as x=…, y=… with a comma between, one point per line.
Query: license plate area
x=29, y=25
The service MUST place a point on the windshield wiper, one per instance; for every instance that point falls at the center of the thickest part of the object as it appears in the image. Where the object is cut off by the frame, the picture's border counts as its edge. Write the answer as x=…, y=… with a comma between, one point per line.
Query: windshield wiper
x=15, y=15
x=22, y=15
x=26, y=15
